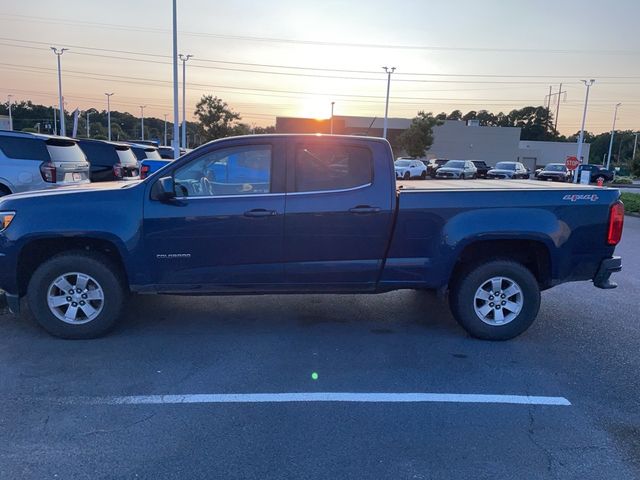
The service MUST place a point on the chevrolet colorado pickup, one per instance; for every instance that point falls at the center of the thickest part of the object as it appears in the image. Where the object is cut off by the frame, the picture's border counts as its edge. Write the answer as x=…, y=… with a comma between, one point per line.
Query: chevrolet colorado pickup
x=272, y=214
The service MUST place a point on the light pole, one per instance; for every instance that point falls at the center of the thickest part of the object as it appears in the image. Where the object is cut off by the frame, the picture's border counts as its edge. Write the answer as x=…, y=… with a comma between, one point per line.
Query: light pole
x=59, y=53
x=176, y=115
x=165, y=129
x=142, y=107
x=635, y=144
x=588, y=84
x=613, y=132
x=184, y=59
x=388, y=71
x=88, y=125
x=10, y=117
x=109, y=114
x=332, y=104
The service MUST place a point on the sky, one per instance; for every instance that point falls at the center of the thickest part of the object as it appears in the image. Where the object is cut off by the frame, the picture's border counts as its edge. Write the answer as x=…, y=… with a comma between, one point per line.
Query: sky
x=293, y=58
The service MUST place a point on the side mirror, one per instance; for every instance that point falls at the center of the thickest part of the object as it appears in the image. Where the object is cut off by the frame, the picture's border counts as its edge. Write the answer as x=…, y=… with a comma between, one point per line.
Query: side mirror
x=164, y=189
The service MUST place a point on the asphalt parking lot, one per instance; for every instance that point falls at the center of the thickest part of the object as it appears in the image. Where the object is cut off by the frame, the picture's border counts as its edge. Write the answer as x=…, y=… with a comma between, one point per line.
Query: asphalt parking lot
x=77, y=409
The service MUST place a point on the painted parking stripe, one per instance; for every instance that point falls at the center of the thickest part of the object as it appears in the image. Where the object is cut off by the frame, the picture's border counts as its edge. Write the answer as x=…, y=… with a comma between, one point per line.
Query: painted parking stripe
x=325, y=397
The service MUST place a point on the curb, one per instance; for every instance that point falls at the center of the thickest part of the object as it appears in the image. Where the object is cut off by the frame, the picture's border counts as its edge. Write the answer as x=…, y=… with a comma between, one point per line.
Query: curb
x=632, y=214
x=622, y=185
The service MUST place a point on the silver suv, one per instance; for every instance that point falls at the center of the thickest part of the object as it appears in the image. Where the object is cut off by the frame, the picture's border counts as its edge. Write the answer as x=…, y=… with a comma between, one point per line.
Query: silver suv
x=30, y=161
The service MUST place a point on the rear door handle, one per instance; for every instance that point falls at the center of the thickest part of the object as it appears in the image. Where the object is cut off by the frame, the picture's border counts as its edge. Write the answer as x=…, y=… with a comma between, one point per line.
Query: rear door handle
x=364, y=209
x=260, y=212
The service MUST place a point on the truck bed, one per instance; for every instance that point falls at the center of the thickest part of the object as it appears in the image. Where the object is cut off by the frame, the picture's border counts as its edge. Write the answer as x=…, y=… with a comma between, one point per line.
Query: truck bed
x=489, y=185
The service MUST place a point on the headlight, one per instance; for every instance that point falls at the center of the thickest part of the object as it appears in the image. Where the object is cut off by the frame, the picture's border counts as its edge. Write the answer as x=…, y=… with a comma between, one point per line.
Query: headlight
x=5, y=219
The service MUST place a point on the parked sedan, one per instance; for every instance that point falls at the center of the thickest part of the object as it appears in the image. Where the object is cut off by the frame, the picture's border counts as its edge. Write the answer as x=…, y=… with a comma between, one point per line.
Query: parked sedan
x=556, y=172
x=508, y=170
x=482, y=167
x=457, y=169
x=407, y=169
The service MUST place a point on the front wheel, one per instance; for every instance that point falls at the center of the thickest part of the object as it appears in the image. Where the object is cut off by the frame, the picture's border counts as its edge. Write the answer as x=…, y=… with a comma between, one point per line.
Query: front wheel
x=407, y=176
x=76, y=295
x=462, y=176
x=496, y=300
x=423, y=175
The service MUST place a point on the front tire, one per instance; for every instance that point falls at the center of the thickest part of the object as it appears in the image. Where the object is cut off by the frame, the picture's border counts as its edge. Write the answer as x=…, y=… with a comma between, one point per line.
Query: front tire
x=495, y=300
x=423, y=175
x=76, y=295
x=407, y=176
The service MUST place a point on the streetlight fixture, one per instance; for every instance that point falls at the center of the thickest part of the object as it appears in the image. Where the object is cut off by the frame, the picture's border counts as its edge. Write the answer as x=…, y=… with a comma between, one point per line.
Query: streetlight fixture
x=184, y=59
x=176, y=115
x=613, y=132
x=588, y=84
x=332, y=104
x=59, y=54
x=109, y=114
x=388, y=71
x=10, y=117
x=142, y=107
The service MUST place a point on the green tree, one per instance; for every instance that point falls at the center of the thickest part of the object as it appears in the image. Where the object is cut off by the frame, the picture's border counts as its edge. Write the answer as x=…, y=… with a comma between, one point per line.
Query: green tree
x=419, y=136
x=216, y=118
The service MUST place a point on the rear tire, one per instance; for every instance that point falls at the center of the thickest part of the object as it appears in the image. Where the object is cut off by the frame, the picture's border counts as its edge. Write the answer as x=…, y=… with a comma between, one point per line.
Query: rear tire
x=407, y=176
x=486, y=316
x=462, y=177
x=76, y=295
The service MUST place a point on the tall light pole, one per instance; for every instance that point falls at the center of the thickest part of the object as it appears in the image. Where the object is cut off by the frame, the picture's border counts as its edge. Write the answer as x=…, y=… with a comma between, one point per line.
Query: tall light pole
x=10, y=117
x=59, y=53
x=109, y=114
x=332, y=104
x=176, y=114
x=635, y=145
x=88, y=124
x=165, y=129
x=388, y=71
x=588, y=84
x=184, y=59
x=613, y=132
x=142, y=107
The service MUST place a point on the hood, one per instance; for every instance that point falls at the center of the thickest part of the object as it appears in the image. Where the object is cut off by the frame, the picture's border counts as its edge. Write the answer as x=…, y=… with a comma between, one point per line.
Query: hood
x=400, y=168
x=42, y=195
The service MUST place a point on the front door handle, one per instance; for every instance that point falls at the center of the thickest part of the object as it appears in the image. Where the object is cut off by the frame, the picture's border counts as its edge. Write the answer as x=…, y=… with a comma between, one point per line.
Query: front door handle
x=364, y=209
x=260, y=212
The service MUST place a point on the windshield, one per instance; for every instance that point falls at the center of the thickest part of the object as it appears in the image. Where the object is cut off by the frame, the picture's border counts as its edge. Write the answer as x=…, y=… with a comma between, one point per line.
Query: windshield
x=402, y=163
x=454, y=164
x=555, y=167
x=505, y=166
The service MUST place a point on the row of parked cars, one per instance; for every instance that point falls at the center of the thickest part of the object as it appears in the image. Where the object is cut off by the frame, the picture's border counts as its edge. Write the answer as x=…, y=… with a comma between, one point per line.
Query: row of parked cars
x=408, y=168
x=30, y=161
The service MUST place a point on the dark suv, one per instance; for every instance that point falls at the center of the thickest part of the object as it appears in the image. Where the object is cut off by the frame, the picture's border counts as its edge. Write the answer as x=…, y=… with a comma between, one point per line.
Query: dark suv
x=482, y=167
x=433, y=165
x=144, y=152
x=110, y=160
x=597, y=171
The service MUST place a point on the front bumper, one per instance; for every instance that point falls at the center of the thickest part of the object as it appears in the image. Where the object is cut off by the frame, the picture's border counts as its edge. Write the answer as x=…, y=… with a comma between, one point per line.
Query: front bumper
x=10, y=302
x=607, y=267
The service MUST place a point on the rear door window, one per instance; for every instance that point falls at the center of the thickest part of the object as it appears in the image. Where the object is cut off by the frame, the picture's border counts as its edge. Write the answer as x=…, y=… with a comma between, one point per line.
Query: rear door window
x=322, y=167
x=24, y=148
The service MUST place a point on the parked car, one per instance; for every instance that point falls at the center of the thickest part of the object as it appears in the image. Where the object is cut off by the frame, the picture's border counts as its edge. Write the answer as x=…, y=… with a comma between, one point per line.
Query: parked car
x=37, y=162
x=433, y=165
x=482, y=168
x=110, y=160
x=509, y=170
x=556, y=172
x=167, y=152
x=597, y=171
x=142, y=151
x=407, y=169
x=327, y=218
x=457, y=169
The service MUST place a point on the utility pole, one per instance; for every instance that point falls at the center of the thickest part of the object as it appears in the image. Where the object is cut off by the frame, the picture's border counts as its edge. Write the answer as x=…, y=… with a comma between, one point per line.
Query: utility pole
x=635, y=144
x=176, y=115
x=388, y=71
x=10, y=117
x=613, y=132
x=184, y=59
x=88, y=125
x=332, y=104
x=55, y=122
x=59, y=53
x=109, y=114
x=142, y=107
x=555, y=123
x=588, y=84
x=548, y=102
x=165, y=129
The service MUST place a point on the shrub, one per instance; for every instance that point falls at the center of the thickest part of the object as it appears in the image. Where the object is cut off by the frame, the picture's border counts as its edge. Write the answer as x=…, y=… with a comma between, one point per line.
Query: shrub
x=623, y=180
x=631, y=201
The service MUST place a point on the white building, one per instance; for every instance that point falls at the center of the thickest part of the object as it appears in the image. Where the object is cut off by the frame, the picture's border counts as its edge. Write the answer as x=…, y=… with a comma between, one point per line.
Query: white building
x=539, y=154
x=4, y=122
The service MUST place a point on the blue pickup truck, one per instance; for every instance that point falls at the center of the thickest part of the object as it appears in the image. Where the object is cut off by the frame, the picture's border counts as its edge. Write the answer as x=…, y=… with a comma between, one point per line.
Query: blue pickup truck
x=272, y=214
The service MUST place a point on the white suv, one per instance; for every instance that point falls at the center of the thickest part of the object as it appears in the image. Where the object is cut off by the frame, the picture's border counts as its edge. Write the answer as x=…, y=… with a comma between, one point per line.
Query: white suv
x=408, y=168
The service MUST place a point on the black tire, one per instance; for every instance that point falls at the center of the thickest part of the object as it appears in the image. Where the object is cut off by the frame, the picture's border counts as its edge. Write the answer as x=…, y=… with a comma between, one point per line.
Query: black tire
x=423, y=175
x=4, y=191
x=433, y=174
x=463, y=303
x=407, y=176
x=107, y=275
x=462, y=177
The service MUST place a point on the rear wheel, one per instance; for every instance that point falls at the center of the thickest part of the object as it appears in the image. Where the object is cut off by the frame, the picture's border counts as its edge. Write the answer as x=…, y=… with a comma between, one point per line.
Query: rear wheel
x=407, y=175
x=496, y=300
x=76, y=295
x=462, y=177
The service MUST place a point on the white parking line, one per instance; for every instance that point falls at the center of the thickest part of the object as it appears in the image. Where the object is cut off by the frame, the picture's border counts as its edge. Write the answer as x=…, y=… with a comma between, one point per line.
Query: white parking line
x=324, y=397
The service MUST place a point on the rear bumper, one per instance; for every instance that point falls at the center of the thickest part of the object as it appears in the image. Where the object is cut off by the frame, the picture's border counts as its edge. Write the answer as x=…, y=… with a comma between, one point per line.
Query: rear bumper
x=10, y=302
x=607, y=267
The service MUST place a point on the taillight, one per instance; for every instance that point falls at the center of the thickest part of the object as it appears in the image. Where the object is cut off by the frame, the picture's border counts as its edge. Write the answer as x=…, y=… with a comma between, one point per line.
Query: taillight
x=616, y=221
x=117, y=170
x=144, y=171
x=48, y=172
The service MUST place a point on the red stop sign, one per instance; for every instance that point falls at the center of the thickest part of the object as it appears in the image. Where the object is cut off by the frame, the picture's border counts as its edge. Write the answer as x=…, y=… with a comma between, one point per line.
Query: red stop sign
x=572, y=163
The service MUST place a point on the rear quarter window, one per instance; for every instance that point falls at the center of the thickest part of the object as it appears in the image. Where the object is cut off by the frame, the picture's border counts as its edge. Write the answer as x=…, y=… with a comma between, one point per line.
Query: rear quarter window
x=24, y=148
x=332, y=167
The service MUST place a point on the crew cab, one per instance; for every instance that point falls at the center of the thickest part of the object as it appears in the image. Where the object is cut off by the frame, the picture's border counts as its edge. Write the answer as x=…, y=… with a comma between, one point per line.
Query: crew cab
x=279, y=214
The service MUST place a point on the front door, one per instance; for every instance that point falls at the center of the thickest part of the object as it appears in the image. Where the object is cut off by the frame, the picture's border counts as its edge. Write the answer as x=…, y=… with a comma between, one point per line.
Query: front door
x=224, y=230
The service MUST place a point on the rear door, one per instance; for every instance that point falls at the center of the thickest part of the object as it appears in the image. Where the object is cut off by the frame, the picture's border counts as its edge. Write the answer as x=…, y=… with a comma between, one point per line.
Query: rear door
x=338, y=213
